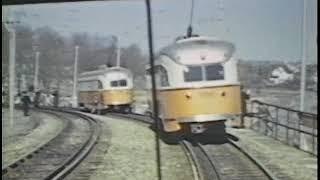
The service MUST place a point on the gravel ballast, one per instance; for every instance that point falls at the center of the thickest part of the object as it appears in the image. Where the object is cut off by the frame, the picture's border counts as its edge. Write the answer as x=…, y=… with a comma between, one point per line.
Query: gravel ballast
x=126, y=150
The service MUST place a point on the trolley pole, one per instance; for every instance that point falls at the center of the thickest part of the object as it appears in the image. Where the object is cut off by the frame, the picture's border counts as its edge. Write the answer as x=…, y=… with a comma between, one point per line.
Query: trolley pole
x=118, y=51
x=36, y=71
x=304, y=53
x=75, y=78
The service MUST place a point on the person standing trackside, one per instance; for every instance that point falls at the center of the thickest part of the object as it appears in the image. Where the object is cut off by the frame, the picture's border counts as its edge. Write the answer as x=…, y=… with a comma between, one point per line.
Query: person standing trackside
x=25, y=103
x=244, y=97
x=36, y=100
x=55, y=98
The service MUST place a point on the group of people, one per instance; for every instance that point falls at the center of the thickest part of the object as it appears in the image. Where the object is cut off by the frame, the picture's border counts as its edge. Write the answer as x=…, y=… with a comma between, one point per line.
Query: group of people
x=26, y=99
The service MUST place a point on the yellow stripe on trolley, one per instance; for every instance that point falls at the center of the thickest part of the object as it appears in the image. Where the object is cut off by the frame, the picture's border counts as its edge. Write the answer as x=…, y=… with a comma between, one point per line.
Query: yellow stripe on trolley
x=183, y=103
x=117, y=97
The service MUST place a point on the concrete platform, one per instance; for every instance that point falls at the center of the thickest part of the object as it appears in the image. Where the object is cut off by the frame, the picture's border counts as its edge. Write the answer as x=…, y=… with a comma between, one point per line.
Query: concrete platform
x=284, y=161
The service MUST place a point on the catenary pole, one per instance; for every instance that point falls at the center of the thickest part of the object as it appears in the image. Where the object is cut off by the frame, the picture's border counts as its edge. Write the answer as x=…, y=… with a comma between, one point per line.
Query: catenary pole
x=154, y=93
x=75, y=77
x=304, y=56
x=36, y=71
x=118, y=51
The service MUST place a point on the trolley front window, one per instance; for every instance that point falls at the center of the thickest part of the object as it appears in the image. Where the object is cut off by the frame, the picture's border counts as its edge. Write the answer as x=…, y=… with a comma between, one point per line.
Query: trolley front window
x=204, y=73
x=194, y=74
x=123, y=83
x=214, y=72
x=118, y=83
x=114, y=83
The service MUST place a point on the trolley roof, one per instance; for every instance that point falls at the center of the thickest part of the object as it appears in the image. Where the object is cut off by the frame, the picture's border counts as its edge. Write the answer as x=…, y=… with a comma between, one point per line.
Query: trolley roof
x=105, y=71
x=199, y=49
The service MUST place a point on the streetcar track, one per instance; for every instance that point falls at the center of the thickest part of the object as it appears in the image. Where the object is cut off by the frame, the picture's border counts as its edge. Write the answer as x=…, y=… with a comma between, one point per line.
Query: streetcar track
x=231, y=163
x=205, y=160
x=58, y=157
x=32, y=153
x=206, y=164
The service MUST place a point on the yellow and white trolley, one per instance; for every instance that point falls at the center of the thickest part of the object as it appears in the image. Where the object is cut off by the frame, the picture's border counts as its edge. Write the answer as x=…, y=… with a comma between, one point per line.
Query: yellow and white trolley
x=106, y=88
x=197, y=84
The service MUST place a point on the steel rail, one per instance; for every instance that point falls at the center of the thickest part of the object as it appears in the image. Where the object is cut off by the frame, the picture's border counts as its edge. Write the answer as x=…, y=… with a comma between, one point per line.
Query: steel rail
x=252, y=159
x=204, y=151
x=263, y=168
x=187, y=148
x=30, y=153
x=192, y=155
x=196, y=169
x=73, y=161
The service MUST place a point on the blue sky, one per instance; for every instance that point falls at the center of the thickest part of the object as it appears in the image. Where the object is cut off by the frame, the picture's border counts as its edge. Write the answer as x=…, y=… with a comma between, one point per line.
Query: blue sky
x=260, y=29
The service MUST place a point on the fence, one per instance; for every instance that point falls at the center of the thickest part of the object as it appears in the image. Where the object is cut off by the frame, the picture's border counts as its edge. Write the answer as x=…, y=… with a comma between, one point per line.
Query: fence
x=295, y=128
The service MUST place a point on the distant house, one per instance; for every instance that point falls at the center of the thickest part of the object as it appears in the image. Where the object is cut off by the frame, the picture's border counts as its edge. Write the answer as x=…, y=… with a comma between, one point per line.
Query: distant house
x=281, y=75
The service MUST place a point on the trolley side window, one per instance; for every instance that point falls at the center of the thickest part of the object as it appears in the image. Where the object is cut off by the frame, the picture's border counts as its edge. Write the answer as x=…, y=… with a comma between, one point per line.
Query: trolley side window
x=90, y=85
x=161, y=76
x=194, y=74
x=81, y=86
x=100, y=85
x=214, y=72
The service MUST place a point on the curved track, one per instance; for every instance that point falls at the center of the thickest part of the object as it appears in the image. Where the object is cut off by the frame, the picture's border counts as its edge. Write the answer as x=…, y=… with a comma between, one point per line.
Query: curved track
x=220, y=161
x=195, y=164
x=61, y=155
x=230, y=163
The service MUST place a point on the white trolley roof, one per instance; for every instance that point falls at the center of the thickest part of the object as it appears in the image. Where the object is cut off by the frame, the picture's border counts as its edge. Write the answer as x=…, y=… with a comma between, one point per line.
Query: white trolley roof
x=112, y=72
x=106, y=75
x=198, y=50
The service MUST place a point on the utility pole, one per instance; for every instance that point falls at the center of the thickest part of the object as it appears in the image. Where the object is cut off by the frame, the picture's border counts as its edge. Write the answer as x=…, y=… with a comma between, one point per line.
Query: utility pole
x=23, y=82
x=304, y=53
x=19, y=83
x=36, y=71
x=12, y=59
x=75, y=78
x=12, y=62
x=118, y=52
